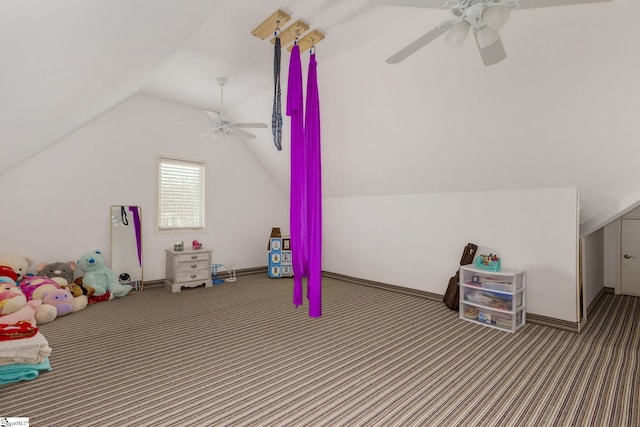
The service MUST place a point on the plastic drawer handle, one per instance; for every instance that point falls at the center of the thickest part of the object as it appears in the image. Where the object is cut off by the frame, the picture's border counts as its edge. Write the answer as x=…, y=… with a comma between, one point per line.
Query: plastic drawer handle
x=194, y=256
x=193, y=276
x=194, y=265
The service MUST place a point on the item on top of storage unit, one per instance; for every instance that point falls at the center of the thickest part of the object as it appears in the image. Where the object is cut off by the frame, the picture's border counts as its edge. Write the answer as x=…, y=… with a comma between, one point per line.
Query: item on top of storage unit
x=489, y=262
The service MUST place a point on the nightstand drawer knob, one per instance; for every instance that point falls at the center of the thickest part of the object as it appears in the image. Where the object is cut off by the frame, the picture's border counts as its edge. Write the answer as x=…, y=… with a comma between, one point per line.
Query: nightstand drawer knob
x=194, y=265
x=194, y=256
x=193, y=276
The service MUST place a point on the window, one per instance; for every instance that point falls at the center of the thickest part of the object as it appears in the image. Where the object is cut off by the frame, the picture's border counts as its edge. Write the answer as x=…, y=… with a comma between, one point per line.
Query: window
x=180, y=194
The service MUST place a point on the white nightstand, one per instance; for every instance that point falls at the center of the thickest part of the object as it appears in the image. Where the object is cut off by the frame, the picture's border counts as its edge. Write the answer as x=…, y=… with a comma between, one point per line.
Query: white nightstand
x=188, y=268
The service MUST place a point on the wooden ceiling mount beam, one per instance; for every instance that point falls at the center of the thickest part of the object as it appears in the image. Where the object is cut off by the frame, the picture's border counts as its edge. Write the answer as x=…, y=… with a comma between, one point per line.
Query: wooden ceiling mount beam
x=311, y=39
x=277, y=20
x=297, y=29
x=269, y=25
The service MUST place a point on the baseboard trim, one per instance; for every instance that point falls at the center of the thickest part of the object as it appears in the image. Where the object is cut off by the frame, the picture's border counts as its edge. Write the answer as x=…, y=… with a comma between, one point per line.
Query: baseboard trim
x=221, y=274
x=552, y=322
x=153, y=283
x=387, y=286
x=531, y=318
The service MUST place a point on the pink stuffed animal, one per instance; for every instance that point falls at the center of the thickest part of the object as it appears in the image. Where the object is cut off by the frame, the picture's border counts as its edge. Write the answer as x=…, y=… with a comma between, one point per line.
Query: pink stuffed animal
x=11, y=298
x=26, y=313
x=49, y=292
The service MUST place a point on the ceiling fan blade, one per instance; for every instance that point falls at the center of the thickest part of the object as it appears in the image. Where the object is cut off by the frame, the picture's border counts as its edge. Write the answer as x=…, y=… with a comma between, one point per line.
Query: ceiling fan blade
x=422, y=41
x=243, y=134
x=214, y=116
x=249, y=125
x=431, y=4
x=531, y=4
x=493, y=53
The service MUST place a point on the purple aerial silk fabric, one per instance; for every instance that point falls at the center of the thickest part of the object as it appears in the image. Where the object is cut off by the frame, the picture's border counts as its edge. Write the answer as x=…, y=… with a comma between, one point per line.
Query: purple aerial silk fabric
x=297, y=197
x=314, y=191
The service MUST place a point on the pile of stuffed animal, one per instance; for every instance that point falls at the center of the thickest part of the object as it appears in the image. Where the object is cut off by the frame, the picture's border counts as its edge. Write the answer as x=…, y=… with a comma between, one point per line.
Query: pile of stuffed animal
x=27, y=300
x=53, y=291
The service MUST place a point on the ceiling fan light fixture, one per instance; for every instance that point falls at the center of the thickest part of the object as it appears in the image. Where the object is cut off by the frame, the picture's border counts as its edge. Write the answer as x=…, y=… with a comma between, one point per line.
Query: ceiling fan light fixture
x=486, y=36
x=456, y=35
x=496, y=16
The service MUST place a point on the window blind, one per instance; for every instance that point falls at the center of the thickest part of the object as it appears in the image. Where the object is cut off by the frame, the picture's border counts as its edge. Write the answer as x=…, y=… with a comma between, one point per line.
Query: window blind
x=181, y=194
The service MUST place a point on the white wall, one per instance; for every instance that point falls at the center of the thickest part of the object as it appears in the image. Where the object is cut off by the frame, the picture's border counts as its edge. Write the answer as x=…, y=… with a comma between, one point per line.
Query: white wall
x=416, y=240
x=57, y=203
x=60, y=200
x=594, y=271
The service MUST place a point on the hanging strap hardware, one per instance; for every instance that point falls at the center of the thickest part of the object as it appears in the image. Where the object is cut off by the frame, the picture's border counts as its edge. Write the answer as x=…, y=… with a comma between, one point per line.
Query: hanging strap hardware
x=123, y=216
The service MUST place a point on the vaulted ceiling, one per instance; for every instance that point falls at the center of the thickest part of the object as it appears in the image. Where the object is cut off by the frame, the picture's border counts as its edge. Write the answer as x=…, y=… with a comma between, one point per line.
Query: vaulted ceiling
x=559, y=111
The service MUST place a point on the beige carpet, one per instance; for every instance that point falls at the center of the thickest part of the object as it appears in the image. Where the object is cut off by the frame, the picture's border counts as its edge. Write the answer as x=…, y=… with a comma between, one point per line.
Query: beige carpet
x=241, y=354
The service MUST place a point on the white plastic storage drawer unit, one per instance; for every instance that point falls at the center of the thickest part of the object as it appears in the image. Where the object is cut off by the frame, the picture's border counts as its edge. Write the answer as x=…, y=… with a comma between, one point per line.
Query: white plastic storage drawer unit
x=493, y=298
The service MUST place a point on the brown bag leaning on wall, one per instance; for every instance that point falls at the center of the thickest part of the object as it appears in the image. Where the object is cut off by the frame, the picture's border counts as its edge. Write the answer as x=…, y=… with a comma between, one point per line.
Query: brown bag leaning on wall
x=452, y=295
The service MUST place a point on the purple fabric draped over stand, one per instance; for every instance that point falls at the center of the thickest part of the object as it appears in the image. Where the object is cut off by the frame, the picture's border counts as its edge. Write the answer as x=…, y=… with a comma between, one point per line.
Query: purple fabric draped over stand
x=297, y=197
x=314, y=191
x=136, y=224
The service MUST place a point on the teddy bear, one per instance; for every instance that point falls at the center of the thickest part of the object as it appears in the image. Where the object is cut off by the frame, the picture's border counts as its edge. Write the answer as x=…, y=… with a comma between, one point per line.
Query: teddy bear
x=62, y=273
x=51, y=293
x=100, y=277
x=7, y=272
x=78, y=283
x=89, y=292
x=19, y=264
x=58, y=271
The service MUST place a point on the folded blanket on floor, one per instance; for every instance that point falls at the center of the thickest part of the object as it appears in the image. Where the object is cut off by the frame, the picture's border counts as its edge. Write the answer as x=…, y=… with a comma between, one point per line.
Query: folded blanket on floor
x=25, y=350
x=22, y=371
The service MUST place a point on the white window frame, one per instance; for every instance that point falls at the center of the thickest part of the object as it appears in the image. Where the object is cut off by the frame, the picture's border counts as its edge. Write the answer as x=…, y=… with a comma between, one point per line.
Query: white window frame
x=199, y=164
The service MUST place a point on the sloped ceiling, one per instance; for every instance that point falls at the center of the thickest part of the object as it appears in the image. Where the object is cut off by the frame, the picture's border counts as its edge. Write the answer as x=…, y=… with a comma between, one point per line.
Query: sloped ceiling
x=559, y=111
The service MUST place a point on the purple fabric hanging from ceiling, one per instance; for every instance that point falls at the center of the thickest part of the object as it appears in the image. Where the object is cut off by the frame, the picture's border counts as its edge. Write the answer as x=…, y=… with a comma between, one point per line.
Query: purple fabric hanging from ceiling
x=314, y=191
x=297, y=197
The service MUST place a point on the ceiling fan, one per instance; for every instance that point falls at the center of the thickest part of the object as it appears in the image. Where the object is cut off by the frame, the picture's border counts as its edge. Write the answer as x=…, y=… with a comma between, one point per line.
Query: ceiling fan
x=221, y=127
x=483, y=17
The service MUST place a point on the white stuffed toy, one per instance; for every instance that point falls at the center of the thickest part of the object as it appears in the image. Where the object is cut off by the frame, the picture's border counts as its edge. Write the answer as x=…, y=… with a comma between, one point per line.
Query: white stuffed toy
x=20, y=264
